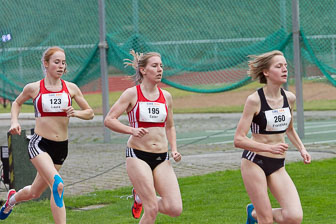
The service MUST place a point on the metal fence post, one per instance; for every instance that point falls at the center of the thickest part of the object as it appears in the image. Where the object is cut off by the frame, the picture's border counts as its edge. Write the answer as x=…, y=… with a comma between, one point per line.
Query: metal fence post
x=103, y=66
x=297, y=67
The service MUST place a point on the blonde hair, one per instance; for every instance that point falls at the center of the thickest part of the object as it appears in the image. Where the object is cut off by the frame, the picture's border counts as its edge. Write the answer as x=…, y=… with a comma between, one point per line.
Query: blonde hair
x=259, y=63
x=140, y=60
x=47, y=54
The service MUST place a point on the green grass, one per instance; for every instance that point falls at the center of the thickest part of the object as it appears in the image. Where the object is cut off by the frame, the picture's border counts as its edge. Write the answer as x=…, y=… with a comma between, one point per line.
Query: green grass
x=319, y=105
x=25, y=109
x=218, y=197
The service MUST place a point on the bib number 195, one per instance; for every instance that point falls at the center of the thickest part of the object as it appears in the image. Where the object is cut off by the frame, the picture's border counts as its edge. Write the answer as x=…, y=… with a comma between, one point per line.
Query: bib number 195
x=153, y=110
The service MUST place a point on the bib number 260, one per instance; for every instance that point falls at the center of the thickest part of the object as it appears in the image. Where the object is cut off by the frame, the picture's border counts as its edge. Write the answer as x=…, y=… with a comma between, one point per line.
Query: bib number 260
x=279, y=118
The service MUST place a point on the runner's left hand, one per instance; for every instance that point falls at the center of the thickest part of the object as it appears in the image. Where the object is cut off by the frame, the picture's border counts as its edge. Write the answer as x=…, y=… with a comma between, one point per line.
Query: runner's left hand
x=176, y=156
x=306, y=157
x=70, y=111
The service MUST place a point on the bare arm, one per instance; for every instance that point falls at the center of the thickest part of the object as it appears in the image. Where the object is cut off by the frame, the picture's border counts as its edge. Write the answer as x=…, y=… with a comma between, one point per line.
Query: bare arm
x=111, y=120
x=170, y=128
x=293, y=136
x=26, y=94
x=86, y=112
x=241, y=140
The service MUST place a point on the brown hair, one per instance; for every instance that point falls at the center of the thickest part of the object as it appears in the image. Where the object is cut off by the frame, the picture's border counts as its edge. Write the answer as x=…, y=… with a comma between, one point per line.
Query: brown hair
x=259, y=63
x=140, y=60
x=47, y=54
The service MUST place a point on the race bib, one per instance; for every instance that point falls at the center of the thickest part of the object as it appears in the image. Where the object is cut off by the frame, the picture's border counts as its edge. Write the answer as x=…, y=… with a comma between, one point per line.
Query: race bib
x=278, y=120
x=152, y=112
x=54, y=102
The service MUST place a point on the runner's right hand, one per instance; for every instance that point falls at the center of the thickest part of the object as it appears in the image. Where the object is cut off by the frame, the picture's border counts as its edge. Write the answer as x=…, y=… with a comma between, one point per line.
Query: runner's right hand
x=15, y=129
x=279, y=148
x=139, y=132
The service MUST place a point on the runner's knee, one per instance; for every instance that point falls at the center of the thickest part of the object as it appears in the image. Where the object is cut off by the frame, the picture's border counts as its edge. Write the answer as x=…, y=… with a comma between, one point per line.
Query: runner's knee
x=33, y=193
x=265, y=218
x=292, y=217
x=151, y=210
x=58, y=190
x=175, y=210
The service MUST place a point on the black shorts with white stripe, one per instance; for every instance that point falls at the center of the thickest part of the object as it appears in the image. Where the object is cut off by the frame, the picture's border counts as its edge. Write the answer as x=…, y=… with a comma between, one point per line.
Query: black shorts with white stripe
x=58, y=151
x=152, y=159
x=267, y=164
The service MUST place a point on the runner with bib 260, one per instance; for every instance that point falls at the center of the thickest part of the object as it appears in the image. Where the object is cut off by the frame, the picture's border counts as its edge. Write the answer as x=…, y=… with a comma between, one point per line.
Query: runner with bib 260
x=268, y=112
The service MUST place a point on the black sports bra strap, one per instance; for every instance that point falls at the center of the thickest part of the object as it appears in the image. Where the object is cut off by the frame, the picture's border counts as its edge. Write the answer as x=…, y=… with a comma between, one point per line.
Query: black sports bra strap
x=261, y=94
x=286, y=104
x=264, y=105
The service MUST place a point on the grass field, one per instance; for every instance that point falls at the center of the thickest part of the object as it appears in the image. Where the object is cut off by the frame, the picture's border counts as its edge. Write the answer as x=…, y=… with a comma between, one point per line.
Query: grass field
x=218, y=197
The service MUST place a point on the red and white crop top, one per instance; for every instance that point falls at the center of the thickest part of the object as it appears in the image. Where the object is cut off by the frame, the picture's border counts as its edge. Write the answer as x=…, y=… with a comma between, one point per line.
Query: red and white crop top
x=147, y=113
x=51, y=104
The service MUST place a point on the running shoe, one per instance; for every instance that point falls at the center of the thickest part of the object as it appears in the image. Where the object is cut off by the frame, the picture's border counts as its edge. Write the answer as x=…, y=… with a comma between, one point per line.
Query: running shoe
x=137, y=207
x=250, y=219
x=7, y=206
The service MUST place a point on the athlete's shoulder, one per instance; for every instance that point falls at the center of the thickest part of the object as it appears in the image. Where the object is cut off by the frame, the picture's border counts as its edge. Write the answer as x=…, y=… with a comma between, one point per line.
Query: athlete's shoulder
x=166, y=93
x=73, y=89
x=31, y=89
x=252, y=104
x=130, y=92
x=70, y=84
x=290, y=96
x=32, y=86
x=253, y=98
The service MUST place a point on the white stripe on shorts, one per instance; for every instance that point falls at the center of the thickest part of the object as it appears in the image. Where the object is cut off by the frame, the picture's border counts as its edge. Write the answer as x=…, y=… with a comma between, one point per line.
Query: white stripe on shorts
x=33, y=148
x=130, y=152
x=250, y=155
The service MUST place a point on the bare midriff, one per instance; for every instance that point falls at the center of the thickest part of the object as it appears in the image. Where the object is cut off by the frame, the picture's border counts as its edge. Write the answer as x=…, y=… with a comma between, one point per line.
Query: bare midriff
x=52, y=128
x=270, y=140
x=155, y=141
